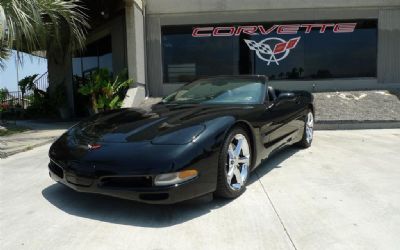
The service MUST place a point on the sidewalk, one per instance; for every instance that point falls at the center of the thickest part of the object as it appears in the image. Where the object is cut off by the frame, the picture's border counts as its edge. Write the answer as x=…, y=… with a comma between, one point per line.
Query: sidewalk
x=40, y=134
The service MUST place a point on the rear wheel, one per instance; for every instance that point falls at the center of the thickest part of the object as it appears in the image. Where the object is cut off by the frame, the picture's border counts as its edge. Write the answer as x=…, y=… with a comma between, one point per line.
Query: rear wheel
x=234, y=164
x=308, y=132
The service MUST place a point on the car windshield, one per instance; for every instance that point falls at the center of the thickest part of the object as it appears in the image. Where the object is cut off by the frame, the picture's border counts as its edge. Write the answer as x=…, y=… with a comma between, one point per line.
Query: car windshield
x=219, y=91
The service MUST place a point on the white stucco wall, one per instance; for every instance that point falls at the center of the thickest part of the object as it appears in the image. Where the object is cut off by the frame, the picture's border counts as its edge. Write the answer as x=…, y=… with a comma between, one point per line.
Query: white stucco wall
x=187, y=6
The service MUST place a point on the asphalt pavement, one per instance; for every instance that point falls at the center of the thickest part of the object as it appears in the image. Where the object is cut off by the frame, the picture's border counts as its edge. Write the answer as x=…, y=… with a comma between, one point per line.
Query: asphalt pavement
x=342, y=193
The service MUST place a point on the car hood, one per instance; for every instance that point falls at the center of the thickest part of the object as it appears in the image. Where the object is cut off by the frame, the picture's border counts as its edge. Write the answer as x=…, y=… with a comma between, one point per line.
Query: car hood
x=132, y=125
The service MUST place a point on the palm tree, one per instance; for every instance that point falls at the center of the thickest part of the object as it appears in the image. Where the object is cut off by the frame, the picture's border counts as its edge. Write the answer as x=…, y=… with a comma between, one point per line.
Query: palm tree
x=36, y=25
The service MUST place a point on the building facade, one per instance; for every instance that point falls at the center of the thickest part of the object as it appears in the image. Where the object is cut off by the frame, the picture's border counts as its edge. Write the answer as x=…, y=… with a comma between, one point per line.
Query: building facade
x=315, y=45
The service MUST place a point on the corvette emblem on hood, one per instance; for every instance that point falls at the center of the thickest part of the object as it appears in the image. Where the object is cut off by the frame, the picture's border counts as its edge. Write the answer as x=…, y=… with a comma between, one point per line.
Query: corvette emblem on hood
x=93, y=146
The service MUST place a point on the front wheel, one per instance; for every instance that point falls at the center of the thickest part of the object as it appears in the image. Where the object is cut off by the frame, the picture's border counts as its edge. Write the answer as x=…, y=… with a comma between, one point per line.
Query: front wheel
x=308, y=131
x=234, y=164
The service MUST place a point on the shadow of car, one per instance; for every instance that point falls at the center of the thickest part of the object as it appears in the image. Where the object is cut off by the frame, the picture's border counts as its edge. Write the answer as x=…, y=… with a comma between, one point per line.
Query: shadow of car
x=126, y=212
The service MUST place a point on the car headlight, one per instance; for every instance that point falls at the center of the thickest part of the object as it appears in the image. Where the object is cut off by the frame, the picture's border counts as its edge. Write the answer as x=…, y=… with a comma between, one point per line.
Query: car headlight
x=180, y=136
x=175, y=178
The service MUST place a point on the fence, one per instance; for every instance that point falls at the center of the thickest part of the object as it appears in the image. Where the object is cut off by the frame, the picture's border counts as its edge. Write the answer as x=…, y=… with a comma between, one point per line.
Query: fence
x=15, y=99
x=42, y=82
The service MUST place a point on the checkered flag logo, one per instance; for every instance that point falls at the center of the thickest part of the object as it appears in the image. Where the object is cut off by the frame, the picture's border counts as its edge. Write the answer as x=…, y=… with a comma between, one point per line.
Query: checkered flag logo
x=261, y=47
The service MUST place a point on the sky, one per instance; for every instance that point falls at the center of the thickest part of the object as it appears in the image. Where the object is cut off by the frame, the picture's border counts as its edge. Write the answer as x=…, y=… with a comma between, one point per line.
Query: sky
x=31, y=65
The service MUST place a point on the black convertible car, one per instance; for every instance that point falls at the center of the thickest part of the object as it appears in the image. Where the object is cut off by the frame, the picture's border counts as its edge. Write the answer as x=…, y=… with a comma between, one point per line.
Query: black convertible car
x=204, y=138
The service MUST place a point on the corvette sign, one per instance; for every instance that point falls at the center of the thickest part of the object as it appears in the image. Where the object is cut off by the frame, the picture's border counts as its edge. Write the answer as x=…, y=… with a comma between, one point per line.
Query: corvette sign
x=272, y=49
x=284, y=29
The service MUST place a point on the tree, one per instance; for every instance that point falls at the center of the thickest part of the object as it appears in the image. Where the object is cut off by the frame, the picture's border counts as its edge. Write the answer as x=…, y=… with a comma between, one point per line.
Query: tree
x=26, y=84
x=34, y=25
x=58, y=27
x=301, y=70
x=3, y=94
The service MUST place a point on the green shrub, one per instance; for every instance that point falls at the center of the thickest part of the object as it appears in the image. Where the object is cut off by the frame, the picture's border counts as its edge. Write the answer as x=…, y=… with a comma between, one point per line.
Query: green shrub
x=105, y=93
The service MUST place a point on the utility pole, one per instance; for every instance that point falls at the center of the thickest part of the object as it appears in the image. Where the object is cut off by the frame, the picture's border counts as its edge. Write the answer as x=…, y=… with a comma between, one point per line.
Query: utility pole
x=17, y=65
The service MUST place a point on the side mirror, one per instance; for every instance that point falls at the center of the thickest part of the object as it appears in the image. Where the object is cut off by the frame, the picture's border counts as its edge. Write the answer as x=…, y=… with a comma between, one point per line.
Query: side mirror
x=285, y=97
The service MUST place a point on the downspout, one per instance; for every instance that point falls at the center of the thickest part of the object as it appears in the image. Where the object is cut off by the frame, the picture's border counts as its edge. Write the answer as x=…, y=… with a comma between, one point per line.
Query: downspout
x=146, y=87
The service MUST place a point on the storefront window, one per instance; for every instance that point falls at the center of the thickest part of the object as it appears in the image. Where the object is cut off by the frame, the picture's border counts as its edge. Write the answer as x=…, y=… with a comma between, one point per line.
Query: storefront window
x=187, y=57
x=96, y=55
x=282, y=51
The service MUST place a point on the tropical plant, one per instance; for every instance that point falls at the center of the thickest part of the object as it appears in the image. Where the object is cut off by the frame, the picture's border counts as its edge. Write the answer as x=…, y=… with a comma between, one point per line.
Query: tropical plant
x=41, y=105
x=27, y=84
x=105, y=92
x=3, y=94
x=34, y=25
x=3, y=97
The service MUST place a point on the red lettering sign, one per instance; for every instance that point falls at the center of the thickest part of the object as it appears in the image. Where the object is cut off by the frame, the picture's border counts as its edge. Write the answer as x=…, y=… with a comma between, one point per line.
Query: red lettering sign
x=284, y=29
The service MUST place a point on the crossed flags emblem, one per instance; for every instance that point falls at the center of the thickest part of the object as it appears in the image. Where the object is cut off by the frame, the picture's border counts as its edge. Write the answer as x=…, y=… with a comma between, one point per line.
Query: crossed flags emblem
x=263, y=48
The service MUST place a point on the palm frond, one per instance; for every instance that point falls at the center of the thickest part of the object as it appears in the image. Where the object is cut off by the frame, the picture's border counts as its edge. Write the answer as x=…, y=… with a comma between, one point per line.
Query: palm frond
x=36, y=24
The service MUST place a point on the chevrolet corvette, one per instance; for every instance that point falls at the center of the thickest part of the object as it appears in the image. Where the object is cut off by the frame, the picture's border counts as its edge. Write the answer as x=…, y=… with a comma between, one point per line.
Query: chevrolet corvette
x=205, y=138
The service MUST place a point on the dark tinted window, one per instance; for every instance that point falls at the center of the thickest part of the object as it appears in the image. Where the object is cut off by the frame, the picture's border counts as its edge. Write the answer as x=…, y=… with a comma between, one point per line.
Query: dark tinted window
x=96, y=55
x=318, y=53
x=186, y=58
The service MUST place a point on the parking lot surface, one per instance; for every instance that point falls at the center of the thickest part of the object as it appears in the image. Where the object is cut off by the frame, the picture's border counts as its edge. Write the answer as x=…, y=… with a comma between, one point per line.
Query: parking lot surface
x=342, y=193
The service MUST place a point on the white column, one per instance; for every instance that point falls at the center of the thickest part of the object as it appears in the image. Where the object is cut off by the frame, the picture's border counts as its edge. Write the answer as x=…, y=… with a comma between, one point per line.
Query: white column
x=135, y=52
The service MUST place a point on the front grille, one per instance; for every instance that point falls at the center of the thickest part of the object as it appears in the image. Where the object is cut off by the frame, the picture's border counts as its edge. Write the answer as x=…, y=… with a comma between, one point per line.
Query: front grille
x=79, y=180
x=154, y=197
x=127, y=182
x=56, y=169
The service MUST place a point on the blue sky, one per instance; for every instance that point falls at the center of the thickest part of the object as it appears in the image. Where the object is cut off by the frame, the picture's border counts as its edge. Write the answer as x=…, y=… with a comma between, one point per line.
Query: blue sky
x=31, y=65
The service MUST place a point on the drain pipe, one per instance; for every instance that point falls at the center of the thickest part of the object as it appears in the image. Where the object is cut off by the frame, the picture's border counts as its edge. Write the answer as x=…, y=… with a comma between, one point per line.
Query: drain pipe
x=146, y=87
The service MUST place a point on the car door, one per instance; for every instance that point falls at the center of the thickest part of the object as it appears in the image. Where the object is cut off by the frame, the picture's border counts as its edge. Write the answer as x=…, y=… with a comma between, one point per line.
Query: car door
x=279, y=121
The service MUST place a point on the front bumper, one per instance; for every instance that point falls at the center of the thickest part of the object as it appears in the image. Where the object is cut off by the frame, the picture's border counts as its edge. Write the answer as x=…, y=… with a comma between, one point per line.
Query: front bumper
x=131, y=187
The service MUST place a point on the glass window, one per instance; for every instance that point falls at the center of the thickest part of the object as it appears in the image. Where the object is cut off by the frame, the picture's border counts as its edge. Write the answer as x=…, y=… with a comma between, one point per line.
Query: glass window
x=225, y=90
x=283, y=51
x=96, y=55
x=186, y=58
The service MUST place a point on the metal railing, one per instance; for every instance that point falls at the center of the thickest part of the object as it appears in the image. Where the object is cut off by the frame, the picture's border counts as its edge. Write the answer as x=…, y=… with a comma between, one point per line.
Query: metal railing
x=42, y=82
x=15, y=99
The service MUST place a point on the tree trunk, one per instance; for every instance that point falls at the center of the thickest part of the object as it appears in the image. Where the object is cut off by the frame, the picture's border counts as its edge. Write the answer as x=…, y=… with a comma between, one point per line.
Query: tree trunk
x=59, y=66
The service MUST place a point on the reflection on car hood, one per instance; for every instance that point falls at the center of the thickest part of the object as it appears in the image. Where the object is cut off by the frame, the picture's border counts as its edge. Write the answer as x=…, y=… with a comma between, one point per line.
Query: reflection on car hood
x=129, y=125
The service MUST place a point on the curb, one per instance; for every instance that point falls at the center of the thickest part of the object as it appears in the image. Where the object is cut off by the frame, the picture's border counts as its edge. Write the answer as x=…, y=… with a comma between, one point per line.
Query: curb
x=349, y=125
x=4, y=155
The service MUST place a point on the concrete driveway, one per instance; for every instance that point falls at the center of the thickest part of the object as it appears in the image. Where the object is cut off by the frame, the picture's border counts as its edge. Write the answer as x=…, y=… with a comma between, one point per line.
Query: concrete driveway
x=342, y=193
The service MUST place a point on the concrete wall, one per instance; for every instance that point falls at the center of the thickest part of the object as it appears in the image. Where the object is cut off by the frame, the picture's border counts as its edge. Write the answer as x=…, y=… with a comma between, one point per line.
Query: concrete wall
x=195, y=6
x=193, y=12
x=389, y=46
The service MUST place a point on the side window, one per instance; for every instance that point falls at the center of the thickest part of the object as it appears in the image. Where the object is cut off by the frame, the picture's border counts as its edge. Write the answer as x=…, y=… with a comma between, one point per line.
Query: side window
x=271, y=94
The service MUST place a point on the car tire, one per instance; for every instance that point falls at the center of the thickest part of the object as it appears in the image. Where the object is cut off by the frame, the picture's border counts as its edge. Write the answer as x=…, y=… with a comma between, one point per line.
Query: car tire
x=234, y=164
x=308, y=130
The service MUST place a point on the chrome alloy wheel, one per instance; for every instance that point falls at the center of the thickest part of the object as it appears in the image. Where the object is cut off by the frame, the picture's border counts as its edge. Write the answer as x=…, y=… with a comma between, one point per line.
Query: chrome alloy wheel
x=238, y=157
x=309, y=127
